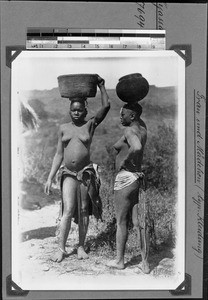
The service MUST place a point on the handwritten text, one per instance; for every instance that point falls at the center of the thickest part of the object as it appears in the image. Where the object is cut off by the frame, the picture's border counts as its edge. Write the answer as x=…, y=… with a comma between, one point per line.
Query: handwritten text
x=140, y=14
x=198, y=248
x=160, y=14
x=199, y=103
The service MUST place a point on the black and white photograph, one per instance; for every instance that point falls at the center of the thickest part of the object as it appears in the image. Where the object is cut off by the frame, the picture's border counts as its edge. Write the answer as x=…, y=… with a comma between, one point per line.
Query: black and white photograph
x=98, y=170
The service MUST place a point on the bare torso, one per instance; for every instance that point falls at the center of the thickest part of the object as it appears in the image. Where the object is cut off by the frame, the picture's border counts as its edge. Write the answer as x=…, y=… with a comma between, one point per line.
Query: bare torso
x=122, y=146
x=76, y=143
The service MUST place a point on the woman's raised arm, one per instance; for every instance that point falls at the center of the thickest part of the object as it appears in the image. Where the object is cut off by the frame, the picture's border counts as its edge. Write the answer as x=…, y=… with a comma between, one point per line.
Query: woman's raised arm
x=102, y=112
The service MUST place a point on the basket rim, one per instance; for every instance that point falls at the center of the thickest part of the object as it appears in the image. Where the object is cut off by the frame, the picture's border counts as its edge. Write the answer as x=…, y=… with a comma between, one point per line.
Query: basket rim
x=77, y=75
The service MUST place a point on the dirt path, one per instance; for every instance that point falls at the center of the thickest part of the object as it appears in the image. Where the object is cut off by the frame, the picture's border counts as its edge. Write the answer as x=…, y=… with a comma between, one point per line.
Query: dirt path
x=38, y=244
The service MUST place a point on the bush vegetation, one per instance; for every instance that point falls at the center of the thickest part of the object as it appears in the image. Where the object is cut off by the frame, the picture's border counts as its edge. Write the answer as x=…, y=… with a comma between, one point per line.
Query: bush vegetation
x=160, y=167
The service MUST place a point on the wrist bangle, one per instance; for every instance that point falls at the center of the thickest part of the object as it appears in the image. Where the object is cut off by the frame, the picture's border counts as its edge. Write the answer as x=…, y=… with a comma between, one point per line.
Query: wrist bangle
x=64, y=252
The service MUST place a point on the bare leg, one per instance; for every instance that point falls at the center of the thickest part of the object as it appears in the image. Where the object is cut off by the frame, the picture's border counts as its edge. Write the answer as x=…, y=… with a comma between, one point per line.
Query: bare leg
x=69, y=197
x=121, y=236
x=84, y=222
x=143, y=236
x=121, y=232
x=123, y=202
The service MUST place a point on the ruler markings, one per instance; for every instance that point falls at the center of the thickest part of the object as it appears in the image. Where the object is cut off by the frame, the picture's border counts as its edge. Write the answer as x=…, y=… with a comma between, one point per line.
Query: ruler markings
x=72, y=38
x=72, y=42
x=75, y=38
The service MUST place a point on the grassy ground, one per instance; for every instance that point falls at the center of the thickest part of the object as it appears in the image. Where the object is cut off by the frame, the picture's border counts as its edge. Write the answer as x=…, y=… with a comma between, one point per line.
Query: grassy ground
x=38, y=227
x=159, y=112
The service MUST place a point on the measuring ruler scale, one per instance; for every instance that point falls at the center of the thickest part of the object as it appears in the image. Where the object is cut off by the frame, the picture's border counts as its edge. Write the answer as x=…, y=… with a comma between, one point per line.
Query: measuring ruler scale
x=104, y=39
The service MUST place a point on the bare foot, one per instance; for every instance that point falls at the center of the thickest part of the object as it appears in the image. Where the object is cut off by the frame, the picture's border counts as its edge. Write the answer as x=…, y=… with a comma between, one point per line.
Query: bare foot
x=81, y=253
x=59, y=256
x=145, y=267
x=115, y=264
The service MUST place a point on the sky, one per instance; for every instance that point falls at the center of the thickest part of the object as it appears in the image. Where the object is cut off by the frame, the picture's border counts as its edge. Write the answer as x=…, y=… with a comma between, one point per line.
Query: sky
x=40, y=69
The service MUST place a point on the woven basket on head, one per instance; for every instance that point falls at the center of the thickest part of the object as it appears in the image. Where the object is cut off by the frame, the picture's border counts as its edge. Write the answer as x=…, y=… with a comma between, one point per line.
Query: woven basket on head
x=78, y=85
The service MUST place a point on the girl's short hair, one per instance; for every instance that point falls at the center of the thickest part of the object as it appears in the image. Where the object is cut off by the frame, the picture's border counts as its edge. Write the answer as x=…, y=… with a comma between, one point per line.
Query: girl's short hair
x=135, y=107
x=82, y=101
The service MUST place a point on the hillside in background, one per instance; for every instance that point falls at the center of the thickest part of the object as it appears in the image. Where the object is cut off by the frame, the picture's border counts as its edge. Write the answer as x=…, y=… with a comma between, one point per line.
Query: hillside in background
x=159, y=162
x=158, y=106
x=159, y=165
x=162, y=97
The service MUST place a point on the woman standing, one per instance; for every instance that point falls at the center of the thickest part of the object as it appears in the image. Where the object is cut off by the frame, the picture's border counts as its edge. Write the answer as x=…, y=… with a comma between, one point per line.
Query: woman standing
x=78, y=178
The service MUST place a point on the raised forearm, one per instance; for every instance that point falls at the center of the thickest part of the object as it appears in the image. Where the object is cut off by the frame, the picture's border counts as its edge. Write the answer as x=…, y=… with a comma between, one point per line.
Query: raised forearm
x=104, y=97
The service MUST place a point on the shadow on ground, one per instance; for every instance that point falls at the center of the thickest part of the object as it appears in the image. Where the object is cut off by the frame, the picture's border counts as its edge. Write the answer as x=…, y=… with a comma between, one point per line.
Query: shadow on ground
x=105, y=239
x=40, y=233
x=155, y=257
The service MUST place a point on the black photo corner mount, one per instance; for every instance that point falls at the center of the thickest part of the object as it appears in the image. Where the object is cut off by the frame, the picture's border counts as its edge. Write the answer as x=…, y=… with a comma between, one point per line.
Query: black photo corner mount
x=11, y=56
x=184, y=288
x=205, y=289
x=188, y=52
x=13, y=289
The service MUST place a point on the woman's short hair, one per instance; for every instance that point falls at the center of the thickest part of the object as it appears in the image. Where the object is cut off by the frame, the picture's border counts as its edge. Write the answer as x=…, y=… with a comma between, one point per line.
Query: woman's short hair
x=135, y=107
x=82, y=101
